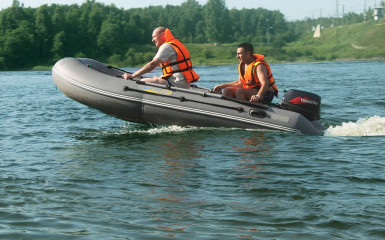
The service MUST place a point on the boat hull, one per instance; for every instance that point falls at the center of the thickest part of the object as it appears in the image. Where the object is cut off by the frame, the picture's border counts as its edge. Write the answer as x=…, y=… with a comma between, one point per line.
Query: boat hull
x=101, y=87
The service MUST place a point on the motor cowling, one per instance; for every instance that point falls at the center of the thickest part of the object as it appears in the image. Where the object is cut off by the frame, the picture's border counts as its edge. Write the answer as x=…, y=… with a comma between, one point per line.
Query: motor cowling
x=306, y=103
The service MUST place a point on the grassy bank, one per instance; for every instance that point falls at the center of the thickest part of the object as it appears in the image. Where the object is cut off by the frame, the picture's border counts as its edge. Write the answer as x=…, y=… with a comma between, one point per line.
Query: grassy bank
x=349, y=42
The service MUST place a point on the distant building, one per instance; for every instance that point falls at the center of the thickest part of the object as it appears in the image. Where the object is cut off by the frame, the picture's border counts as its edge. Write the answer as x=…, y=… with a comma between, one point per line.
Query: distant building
x=378, y=13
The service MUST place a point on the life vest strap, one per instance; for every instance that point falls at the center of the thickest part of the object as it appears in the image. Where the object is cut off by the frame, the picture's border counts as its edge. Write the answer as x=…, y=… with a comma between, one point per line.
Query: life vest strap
x=180, y=70
x=187, y=61
x=252, y=75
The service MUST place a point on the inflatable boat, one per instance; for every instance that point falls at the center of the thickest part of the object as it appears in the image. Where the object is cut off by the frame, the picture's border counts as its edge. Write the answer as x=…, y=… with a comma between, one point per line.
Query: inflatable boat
x=100, y=86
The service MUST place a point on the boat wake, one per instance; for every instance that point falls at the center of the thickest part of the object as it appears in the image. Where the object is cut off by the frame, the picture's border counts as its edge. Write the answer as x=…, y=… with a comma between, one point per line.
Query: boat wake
x=153, y=129
x=370, y=126
x=158, y=129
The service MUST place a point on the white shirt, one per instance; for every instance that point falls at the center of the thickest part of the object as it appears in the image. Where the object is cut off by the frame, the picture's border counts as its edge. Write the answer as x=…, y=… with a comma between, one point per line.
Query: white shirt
x=166, y=53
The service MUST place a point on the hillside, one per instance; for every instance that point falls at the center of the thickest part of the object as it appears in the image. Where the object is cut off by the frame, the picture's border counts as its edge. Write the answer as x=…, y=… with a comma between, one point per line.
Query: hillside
x=349, y=42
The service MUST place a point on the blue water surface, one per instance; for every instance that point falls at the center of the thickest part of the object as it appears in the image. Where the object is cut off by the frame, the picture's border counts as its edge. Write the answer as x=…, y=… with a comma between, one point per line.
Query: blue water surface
x=70, y=172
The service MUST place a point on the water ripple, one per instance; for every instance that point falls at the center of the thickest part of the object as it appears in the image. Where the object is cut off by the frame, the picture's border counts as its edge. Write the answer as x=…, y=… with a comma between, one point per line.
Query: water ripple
x=71, y=172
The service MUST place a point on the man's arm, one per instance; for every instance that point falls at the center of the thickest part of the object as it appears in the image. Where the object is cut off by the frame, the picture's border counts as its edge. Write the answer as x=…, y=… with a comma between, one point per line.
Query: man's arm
x=235, y=84
x=263, y=79
x=145, y=69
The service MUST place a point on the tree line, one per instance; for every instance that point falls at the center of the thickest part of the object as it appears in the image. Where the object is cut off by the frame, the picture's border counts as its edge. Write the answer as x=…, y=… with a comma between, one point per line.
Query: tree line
x=43, y=35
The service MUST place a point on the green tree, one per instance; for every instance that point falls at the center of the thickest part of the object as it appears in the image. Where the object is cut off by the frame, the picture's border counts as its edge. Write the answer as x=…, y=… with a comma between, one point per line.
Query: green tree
x=18, y=46
x=17, y=37
x=43, y=33
x=109, y=37
x=58, y=50
x=216, y=17
x=188, y=23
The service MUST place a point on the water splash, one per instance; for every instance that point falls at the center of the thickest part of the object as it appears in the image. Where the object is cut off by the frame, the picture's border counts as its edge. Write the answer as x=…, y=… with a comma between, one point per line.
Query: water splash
x=370, y=126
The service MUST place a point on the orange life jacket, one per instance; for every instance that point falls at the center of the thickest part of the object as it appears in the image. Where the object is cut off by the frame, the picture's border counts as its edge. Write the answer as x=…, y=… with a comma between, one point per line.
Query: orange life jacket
x=250, y=78
x=182, y=60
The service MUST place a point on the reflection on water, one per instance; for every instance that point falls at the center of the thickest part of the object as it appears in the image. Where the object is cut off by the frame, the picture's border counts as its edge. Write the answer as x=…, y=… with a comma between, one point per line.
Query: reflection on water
x=174, y=178
x=181, y=147
x=254, y=153
x=179, y=169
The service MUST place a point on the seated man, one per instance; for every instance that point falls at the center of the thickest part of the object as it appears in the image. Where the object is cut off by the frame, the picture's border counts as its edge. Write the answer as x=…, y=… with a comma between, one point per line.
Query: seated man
x=255, y=82
x=174, y=59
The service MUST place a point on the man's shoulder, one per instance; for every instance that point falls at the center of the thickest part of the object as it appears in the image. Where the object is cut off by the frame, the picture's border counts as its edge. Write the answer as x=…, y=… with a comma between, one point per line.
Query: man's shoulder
x=260, y=64
x=165, y=52
x=165, y=46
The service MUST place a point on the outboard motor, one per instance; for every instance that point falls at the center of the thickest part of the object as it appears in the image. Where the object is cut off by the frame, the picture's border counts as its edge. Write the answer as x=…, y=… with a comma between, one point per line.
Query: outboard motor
x=306, y=103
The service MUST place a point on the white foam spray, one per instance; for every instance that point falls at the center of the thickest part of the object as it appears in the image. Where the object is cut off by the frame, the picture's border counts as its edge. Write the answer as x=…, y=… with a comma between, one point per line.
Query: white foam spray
x=370, y=126
x=158, y=130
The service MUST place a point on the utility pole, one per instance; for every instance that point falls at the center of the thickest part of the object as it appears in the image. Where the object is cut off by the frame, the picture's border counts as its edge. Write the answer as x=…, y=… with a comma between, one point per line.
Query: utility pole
x=337, y=21
x=268, y=35
x=336, y=12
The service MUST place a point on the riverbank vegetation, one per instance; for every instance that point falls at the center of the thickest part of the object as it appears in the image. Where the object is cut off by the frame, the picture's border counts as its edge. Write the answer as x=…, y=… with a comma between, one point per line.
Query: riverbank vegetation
x=40, y=36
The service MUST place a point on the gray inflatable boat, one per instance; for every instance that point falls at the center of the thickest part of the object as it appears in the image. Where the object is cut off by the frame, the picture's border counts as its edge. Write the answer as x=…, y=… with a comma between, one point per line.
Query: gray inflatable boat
x=101, y=87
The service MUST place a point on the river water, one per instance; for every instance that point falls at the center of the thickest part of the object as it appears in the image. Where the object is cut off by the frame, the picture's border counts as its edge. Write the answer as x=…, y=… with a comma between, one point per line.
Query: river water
x=70, y=172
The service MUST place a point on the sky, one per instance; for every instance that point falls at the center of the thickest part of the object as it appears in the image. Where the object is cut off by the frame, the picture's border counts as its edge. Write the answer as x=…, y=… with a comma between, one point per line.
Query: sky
x=293, y=10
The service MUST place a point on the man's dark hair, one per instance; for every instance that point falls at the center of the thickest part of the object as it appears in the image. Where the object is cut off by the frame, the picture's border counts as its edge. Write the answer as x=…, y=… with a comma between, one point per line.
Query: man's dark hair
x=247, y=47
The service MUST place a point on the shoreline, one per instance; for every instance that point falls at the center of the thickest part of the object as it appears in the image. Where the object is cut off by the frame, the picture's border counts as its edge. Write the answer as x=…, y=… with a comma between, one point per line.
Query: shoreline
x=48, y=68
